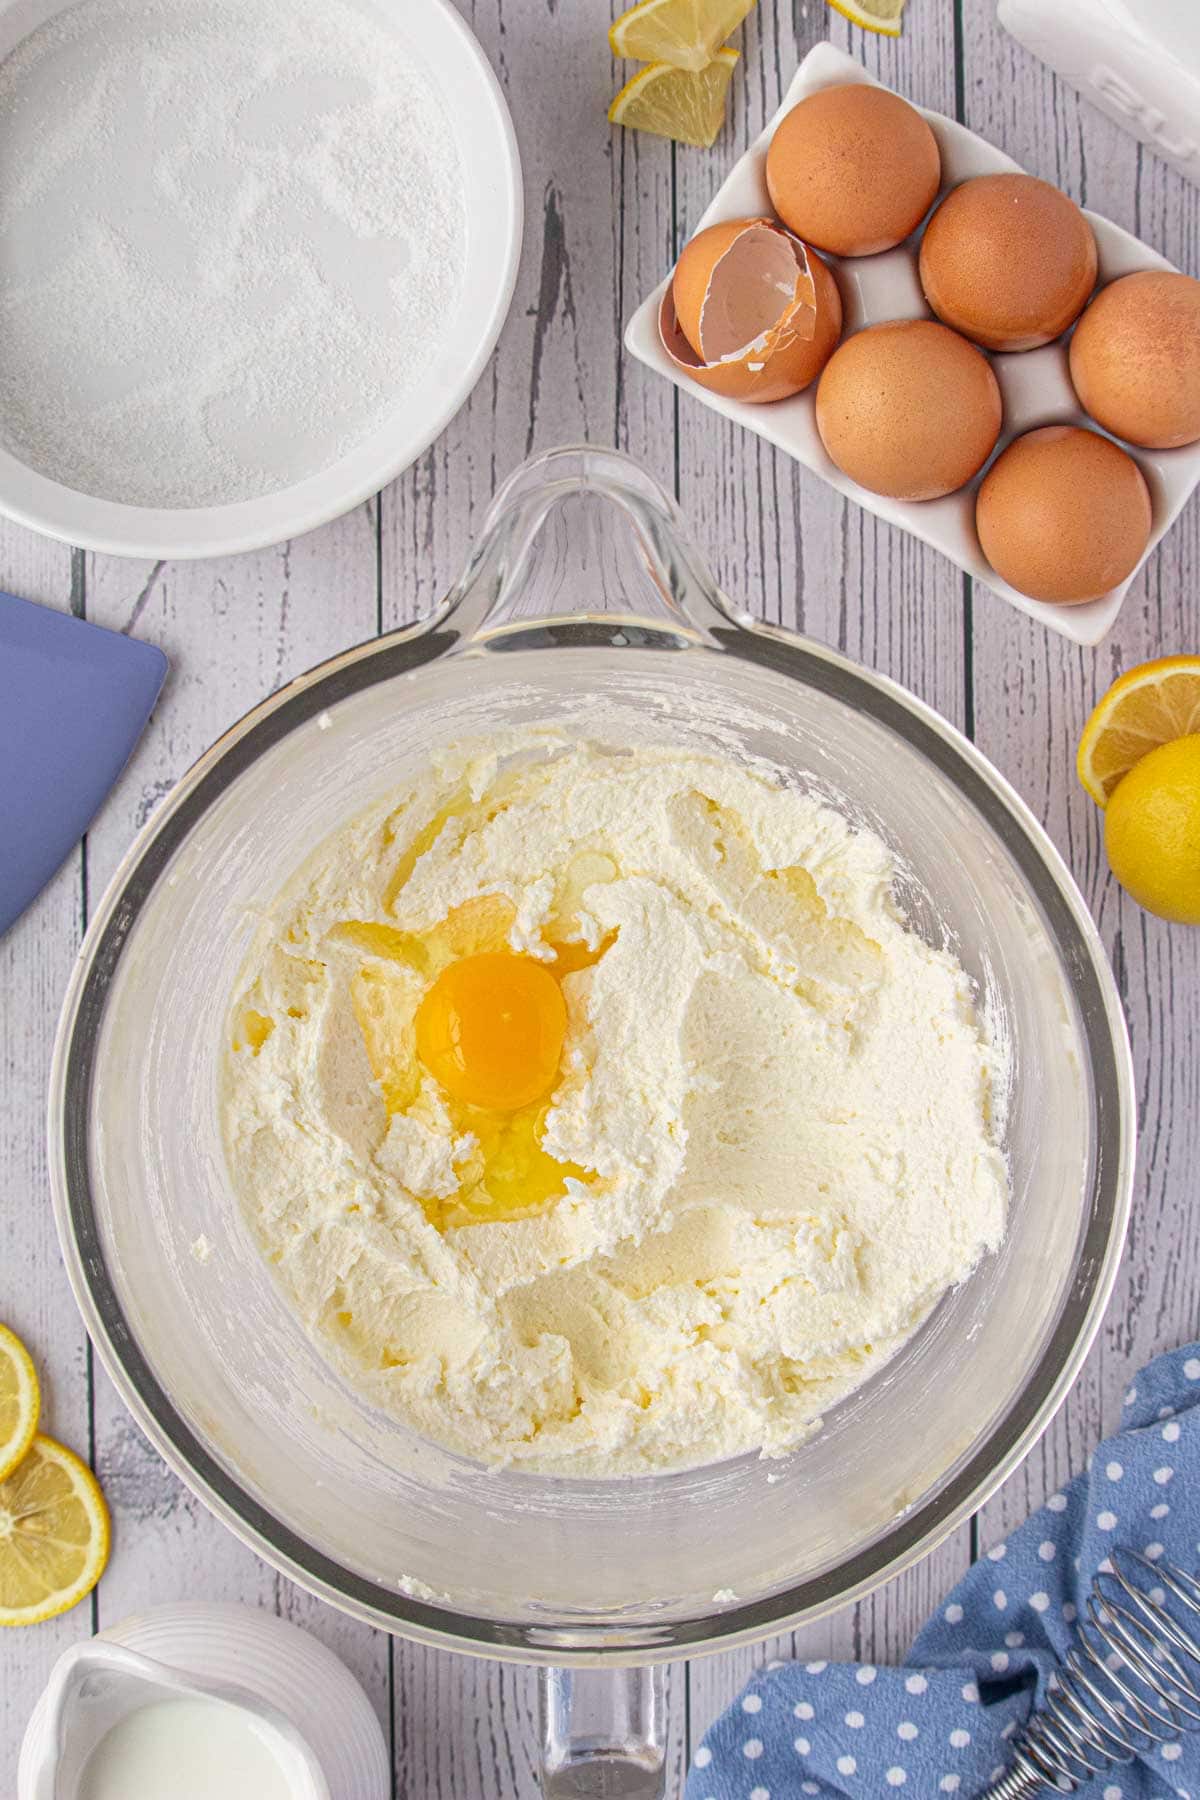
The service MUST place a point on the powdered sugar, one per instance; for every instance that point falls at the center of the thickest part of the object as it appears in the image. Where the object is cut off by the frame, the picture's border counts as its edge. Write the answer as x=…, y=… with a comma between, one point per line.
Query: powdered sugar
x=231, y=236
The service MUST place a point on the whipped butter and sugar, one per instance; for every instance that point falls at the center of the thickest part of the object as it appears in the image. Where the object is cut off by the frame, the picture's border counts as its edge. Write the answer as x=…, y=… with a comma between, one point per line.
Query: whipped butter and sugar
x=769, y=1149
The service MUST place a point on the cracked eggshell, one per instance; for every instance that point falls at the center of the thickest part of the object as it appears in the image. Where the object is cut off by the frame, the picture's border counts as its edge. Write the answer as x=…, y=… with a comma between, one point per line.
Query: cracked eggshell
x=751, y=313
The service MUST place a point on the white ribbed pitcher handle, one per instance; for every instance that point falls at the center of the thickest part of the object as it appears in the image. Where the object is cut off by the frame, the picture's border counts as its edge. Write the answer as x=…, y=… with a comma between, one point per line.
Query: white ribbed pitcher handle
x=603, y=1734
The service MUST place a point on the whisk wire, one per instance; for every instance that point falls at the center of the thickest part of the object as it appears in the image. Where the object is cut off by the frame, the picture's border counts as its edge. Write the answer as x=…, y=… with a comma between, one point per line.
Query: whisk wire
x=1098, y=1713
x=1110, y=1629
x=1151, y=1656
x=1101, y=1717
x=1129, y=1682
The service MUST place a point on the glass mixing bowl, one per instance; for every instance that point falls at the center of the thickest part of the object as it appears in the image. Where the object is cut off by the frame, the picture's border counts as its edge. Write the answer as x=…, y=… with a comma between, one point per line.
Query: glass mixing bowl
x=585, y=604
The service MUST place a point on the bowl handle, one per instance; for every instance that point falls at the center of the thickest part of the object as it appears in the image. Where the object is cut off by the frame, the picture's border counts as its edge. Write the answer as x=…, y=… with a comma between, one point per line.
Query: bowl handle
x=603, y=1733
x=578, y=533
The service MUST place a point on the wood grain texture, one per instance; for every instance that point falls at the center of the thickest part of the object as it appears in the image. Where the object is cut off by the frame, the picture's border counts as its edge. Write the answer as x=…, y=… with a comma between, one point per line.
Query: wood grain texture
x=598, y=234
x=1032, y=693
x=234, y=631
x=605, y=213
x=795, y=552
x=35, y=963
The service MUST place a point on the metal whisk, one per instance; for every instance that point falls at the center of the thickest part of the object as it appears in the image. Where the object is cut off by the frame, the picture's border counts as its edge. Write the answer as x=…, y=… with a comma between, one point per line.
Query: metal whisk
x=1131, y=1681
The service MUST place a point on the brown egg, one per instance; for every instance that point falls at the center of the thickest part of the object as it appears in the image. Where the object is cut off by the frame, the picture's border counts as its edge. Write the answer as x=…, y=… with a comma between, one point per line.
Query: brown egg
x=1008, y=260
x=853, y=169
x=1135, y=359
x=750, y=313
x=1064, y=514
x=909, y=409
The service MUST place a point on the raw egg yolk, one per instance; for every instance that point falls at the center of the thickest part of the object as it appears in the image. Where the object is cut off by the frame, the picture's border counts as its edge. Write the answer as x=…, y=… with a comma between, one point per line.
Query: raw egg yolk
x=491, y=1030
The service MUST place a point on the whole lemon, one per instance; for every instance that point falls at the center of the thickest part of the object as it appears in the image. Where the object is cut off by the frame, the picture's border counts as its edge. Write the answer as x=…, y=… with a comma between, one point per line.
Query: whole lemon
x=1152, y=831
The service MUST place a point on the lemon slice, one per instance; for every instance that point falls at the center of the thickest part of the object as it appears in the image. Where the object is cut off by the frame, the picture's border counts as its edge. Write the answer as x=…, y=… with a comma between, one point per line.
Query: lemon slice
x=1150, y=705
x=685, y=33
x=675, y=103
x=20, y=1400
x=873, y=15
x=53, y=1534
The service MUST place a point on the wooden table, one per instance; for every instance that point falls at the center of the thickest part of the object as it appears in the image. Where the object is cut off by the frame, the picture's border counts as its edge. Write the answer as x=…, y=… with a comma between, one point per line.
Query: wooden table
x=605, y=213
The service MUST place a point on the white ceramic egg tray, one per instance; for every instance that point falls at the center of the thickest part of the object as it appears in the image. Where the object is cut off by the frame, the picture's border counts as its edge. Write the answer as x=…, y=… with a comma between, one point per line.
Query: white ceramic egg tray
x=1035, y=384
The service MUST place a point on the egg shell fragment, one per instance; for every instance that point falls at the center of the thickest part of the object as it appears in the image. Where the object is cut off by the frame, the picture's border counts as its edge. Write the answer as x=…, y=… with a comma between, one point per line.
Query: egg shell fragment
x=909, y=409
x=1064, y=514
x=853, y=169
x=1009, y=261
x=750, y=313
x=1135, y=359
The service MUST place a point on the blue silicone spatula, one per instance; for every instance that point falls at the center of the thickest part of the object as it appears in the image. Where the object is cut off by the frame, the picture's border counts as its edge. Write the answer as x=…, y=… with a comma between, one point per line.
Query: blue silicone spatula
x=74, y=700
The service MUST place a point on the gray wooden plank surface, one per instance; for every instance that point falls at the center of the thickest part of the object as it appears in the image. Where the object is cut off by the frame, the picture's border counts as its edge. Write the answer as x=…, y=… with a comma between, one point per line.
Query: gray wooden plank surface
x=233, y=631
x=784, y=543
x=598, y=234
x=35, y=962
x=605, y=212
x=1032, y=693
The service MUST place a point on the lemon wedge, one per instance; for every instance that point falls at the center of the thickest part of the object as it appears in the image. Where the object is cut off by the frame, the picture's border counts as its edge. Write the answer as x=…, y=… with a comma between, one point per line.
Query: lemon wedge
x=685, y=33
x=54, y=1534
x=882, y=16
x=1150, y=705
x=20, y=1400
x=677, y=103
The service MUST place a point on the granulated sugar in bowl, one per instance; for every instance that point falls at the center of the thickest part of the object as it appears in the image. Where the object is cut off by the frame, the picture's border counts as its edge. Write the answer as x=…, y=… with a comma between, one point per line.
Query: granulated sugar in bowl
x=242, y=283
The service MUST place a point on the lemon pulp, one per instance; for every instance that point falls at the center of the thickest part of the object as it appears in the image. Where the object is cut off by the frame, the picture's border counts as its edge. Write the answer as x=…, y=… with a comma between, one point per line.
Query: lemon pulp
x=20, y=1400
x=686, y=33
x=677, y=103
x=54, y=1534
x=1153, y=704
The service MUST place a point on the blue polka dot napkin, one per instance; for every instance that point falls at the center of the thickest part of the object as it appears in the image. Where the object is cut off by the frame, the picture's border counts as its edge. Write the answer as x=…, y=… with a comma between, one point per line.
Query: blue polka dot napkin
x=943, y=1723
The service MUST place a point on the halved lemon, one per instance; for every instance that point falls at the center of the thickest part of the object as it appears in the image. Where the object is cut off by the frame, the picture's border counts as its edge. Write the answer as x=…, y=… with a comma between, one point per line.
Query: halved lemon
x=685, y=33
x=1150, y=705
x=54, y=1534
x=677, y=103
x=20, y=1400
x=873, y=15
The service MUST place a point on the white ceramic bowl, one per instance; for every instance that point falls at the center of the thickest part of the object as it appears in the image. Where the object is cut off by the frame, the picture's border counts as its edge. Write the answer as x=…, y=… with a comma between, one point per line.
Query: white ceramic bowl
x=1035, y=384
x=441, y=42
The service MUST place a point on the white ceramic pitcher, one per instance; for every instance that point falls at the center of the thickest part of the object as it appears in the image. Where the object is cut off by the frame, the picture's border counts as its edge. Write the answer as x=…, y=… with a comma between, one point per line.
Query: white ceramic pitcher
x=232, y=1659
